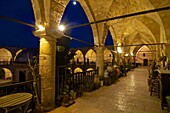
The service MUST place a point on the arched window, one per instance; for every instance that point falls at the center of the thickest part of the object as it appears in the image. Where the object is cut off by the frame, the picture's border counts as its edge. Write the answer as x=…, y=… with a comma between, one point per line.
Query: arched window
x=79, y=57
x=89, y=69
x=8, y=74
x=78, y=70
x=91, y=56
x=5, y=56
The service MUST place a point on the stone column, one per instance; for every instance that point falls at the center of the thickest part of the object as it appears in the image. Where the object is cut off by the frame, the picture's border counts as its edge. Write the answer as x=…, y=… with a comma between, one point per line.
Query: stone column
x=100, y=60
x=47, y=66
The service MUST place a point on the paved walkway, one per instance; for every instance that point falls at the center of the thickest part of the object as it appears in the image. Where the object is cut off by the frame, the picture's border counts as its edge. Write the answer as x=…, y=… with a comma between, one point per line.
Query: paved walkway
x=129, y=95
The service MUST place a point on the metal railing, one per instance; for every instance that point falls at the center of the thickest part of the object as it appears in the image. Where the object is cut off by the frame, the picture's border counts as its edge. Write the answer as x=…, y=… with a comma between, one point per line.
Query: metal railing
x=74, y=81
x=16, y=87
x=5, y=63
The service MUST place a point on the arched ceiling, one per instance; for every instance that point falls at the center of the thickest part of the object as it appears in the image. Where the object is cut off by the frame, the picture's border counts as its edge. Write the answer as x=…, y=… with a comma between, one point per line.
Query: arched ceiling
x=151, y=28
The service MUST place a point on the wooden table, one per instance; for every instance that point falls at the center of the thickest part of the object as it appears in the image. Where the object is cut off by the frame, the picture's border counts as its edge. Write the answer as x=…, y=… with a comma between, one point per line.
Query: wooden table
x=15, y=101
x=164, y=79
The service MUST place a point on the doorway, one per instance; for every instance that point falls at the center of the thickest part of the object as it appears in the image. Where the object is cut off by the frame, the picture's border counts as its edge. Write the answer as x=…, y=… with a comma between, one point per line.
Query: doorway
x=145, y=62
x=22, y=76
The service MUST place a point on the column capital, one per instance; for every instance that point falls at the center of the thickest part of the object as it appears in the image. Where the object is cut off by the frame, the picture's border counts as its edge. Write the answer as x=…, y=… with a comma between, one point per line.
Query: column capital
x=48, y=32
x=101, y=47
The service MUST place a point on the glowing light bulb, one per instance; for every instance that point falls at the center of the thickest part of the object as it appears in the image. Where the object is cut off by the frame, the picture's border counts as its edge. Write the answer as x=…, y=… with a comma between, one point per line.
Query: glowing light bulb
x=61, y=27
x=41, y=28
x=119, y=50
x=126, y=54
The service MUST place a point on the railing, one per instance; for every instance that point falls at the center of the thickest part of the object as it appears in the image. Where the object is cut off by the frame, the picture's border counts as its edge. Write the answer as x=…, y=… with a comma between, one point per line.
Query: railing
x=82, y=77
x=72, y=80
x=5, y=63
x=16, y=87
x=75, y=80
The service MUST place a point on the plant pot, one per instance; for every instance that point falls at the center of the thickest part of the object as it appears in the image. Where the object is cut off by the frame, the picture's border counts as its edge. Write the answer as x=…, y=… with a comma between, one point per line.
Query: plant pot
x=107, y=81
x=65, y=98
x=70, y=102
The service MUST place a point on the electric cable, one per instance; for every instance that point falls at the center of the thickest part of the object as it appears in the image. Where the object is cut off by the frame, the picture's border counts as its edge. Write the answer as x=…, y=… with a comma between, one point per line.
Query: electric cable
x=99, y=21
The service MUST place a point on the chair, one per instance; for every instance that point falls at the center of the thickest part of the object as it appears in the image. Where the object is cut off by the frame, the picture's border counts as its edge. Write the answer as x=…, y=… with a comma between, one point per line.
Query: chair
x=154, y=84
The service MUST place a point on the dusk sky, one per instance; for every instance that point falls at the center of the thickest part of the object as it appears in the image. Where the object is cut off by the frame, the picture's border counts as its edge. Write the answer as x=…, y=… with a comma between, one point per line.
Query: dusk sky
x=18, y=35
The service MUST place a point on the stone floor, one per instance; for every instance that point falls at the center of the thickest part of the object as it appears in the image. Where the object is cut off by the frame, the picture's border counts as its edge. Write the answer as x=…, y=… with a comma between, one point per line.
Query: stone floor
x=129, y=95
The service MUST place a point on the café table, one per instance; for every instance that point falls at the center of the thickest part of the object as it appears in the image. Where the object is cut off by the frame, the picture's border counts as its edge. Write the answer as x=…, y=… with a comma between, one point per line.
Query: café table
x=15, y=101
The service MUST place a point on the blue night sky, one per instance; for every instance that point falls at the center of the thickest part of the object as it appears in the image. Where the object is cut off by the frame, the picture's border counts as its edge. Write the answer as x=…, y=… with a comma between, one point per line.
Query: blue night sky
x=18, y=35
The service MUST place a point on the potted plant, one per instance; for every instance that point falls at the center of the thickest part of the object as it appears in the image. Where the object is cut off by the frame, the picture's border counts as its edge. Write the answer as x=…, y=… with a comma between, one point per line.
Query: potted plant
x=89, y=86
x=65, y=94
x=79, y=90
x=72, y=94
x=67, y=97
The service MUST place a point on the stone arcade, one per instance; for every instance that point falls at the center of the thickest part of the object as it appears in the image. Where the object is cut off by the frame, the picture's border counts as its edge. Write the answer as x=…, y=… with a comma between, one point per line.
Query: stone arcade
x=151, y=28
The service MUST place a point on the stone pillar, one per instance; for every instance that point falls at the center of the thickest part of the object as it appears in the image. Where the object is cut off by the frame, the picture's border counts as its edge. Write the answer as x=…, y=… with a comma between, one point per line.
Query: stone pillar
x=100, y=60
x=167, y=53
x=47, y=66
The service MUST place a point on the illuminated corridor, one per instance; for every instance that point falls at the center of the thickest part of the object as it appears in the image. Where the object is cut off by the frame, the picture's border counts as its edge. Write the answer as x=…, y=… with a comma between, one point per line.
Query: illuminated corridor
x=128, y=95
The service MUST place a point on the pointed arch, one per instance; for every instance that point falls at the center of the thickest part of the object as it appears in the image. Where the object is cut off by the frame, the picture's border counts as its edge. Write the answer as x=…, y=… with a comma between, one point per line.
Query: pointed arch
x=8, y=74
x=109, y=39
x=89, y=69
x=108, y=55
x=25, y=54
x=19, y=51
x=91, y=55
x=70, y=18
x=144, y=53
x=78, y=70
x=5, y=55
x=37, y=11
x=79, y=56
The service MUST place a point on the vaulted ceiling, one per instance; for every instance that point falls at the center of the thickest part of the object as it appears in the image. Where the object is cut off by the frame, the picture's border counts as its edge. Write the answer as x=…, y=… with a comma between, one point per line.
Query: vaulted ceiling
x=141, y=29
